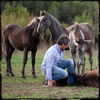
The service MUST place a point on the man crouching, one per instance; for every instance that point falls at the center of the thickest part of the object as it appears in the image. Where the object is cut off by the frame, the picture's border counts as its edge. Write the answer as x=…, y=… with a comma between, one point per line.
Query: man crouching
x=53, y=64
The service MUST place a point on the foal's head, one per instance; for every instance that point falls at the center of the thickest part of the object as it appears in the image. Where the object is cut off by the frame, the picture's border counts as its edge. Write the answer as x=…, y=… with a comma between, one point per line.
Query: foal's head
x=33, y=25
x=82, y=44
x=44, y=22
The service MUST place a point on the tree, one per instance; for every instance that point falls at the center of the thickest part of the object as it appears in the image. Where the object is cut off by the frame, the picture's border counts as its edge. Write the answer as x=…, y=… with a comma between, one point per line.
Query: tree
x=85, y=17
x=15, y=14
x=53, y=9
x=96, y=21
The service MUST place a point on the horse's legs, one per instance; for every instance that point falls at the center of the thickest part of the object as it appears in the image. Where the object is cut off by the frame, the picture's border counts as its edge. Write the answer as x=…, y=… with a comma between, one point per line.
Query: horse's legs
x=90, y=57
x=33, y=62
x=9, y=51
x=73, y=52
x=83, y=67
x=24, y=61
x=78, y=66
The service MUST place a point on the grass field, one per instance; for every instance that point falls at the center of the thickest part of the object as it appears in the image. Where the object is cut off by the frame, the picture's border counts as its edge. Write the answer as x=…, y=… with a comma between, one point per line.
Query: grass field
x=17, y=87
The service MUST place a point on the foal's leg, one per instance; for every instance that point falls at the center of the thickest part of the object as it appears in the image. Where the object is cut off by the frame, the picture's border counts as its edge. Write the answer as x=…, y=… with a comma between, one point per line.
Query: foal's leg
x=78, y=67
x=33, y=62
x=83, y=67
x=73, y=54
x=90, y=58
x=24, y=61
x=9, y=51
x=7, y=58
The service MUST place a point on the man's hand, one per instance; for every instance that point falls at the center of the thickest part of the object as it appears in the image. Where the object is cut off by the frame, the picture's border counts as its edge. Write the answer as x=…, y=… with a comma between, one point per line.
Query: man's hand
x=50, y=84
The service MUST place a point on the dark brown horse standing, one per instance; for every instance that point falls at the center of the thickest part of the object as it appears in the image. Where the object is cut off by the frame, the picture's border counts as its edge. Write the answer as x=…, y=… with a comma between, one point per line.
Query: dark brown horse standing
x=23, y=39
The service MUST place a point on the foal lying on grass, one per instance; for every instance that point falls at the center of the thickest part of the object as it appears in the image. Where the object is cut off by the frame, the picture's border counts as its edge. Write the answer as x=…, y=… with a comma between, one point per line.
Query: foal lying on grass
x=89, y=78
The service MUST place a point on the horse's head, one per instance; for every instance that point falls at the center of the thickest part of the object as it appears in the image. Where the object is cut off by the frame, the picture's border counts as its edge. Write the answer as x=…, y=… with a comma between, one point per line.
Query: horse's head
x=44, y=22
x=82, y=44
x=81, y=48
x=33, y=25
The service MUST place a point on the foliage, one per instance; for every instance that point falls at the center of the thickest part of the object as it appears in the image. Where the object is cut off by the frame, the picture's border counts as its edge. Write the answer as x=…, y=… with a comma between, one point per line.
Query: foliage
x=14, y=15
x=64, y=11
x=96, y=21
x=84, y=18
x=65, y=24
x=53, y=9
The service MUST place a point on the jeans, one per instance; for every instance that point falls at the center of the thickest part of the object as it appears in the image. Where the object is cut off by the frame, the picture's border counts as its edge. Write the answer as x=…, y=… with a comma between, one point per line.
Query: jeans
x=59, y=72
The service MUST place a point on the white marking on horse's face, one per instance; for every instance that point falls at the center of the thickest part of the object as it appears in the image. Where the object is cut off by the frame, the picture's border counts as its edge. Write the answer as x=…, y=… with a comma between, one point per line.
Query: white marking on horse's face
x=72, y=38
x=39, y=24
x=71, y=35
x=41, y=18
x=83, y=49
x=82, y=34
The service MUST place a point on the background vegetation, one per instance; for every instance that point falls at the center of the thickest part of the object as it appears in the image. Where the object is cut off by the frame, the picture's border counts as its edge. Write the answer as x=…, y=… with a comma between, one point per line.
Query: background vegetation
x=66, y=12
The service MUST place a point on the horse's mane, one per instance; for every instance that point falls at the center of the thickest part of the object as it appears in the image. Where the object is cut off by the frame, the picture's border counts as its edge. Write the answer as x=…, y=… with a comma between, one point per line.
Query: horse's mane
x=32, y=26
x=63, y=28
x=31, y=22
x=77, y=33
x=59, y=24
x=76, y=23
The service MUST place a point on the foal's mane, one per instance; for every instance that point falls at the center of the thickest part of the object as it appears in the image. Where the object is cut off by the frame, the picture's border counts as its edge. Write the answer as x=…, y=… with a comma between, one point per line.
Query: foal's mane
x=77, y=31
x=32, y=26
x=63, y=28
x=31, y=22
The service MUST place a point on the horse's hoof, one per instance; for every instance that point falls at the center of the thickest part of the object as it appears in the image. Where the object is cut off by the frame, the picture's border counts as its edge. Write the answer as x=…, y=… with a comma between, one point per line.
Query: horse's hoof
x=7, y=74
x=34, y=76
x=23, y=77
x=12, y=75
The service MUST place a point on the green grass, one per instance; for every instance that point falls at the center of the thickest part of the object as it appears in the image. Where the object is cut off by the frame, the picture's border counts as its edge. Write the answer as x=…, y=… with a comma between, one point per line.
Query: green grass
x=17, y=87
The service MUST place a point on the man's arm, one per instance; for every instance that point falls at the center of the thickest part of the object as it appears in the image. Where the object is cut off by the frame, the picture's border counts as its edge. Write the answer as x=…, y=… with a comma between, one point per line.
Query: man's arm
x=50, y=62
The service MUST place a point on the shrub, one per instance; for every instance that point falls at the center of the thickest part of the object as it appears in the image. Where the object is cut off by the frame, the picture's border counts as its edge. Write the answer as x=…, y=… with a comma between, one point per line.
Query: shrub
x=85, y=17
x=15, y=14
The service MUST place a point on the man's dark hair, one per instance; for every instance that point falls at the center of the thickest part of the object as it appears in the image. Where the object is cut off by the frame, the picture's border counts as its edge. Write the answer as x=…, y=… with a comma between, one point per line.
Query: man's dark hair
x=63, y=39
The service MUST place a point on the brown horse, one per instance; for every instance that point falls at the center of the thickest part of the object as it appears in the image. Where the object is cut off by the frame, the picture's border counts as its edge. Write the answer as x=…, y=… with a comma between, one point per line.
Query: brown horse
x=89, y=78
x=82, y=41
x=23, y=39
